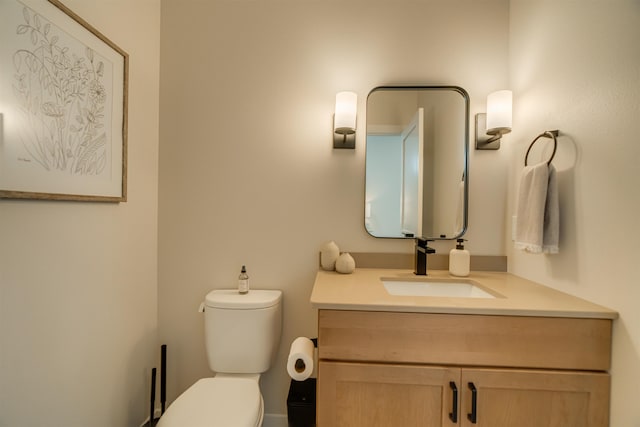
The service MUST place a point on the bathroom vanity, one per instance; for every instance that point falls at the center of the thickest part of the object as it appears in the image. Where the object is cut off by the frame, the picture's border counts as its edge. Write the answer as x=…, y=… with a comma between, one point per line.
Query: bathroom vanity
x=525, y=355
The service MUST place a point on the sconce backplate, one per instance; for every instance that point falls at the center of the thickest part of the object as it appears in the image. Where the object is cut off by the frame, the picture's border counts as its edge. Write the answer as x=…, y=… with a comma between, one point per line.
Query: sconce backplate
x=344, y=141
x=484, y=141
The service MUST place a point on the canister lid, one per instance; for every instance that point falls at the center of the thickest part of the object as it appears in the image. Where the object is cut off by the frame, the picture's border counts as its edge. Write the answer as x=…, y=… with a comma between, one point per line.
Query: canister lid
x=232, y=299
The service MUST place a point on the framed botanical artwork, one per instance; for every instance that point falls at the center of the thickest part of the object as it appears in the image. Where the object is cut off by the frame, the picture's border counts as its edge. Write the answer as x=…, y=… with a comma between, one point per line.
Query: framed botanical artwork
x=63, y=106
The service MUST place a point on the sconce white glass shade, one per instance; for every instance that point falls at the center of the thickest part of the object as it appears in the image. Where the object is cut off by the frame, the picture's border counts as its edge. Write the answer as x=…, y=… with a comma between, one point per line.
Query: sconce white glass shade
x=499, y=112
x=345, y=113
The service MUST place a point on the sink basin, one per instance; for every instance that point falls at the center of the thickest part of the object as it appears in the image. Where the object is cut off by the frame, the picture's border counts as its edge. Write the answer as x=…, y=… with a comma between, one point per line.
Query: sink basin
x=435, y=288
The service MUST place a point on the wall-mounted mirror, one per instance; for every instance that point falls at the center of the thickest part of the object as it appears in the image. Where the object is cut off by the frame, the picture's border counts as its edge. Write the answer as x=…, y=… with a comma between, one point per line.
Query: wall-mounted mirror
x=417, y=151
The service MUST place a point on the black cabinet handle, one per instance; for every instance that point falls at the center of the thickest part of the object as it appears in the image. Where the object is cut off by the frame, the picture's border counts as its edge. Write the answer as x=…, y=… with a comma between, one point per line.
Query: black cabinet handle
x=453, y=415
x=473, y=416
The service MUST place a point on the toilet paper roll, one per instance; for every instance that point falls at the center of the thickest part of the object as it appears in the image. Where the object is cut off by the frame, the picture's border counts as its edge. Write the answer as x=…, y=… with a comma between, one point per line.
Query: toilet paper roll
x=300, y=361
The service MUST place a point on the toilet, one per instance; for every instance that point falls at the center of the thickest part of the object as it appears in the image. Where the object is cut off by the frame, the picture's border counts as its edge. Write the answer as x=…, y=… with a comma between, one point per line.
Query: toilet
x=242, y=335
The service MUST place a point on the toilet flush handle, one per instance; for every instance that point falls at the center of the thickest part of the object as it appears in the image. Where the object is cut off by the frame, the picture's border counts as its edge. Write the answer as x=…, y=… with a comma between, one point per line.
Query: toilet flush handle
x=201, y=308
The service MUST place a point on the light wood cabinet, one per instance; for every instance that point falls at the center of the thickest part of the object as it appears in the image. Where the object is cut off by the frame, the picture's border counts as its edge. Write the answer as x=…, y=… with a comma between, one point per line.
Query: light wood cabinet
x=536, y=398
x=368, y=394
x=458, y=370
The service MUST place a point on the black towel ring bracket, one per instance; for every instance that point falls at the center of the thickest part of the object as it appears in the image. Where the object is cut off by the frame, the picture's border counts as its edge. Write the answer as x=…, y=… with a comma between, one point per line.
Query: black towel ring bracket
x=552, y=134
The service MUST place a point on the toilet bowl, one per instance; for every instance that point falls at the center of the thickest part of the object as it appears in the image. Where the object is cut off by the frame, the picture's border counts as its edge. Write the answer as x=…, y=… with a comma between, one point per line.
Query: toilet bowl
x=217, y=402
x=242, y=335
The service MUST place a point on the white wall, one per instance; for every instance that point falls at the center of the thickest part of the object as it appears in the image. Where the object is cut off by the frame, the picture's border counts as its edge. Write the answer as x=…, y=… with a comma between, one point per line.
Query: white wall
x=78, y=281
x=575, y=66
x=248, y=174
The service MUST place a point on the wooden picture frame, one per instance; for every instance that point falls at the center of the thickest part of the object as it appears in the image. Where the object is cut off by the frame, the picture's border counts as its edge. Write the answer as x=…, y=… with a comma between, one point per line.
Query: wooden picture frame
x=63, y=106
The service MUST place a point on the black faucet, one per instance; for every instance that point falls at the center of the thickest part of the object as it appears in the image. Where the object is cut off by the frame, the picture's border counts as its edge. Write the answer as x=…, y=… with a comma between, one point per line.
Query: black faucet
x=422, y=249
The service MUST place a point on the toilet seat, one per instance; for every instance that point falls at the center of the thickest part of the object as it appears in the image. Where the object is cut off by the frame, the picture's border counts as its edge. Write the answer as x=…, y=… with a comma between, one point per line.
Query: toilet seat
x=216, y=402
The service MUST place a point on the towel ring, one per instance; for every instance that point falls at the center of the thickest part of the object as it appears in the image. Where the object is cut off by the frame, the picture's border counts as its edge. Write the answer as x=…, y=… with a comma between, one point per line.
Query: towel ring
x=552, y=134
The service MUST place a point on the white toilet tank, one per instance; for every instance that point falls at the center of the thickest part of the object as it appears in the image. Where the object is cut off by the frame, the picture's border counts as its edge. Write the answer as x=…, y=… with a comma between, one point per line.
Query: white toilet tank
x=242, y=331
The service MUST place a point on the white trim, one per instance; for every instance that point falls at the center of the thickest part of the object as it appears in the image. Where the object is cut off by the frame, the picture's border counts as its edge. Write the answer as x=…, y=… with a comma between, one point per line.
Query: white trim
x=275, y=420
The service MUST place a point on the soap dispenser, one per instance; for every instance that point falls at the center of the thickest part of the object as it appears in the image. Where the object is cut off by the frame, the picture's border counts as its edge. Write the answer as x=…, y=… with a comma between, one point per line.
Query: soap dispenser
x=459, y=260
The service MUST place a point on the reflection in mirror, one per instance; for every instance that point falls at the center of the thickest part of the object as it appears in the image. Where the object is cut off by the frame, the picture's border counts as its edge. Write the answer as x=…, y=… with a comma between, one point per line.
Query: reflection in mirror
x=417, y=162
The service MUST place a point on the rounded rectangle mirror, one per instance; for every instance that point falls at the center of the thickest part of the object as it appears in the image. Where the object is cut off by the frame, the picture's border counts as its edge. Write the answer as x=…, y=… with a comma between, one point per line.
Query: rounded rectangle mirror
x=417, y=155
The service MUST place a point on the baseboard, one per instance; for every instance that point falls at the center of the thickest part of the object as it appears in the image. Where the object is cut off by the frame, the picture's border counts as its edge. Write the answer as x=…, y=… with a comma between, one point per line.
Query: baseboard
x=275, y=420
x=270, y=420
x=156, y=416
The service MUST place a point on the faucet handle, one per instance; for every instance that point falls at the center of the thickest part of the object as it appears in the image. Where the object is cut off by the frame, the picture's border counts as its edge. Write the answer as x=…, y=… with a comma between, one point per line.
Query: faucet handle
x=424, y=244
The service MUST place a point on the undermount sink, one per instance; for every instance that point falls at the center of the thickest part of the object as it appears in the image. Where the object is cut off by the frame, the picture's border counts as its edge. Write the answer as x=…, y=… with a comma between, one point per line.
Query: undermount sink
x=435, y=288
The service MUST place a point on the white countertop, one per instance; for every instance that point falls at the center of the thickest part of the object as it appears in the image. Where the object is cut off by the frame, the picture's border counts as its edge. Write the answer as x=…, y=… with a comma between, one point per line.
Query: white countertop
x=363, y=290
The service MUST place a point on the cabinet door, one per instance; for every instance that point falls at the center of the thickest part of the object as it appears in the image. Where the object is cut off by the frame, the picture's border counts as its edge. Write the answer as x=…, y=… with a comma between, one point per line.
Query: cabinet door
x=377, y=395
x=534, y=398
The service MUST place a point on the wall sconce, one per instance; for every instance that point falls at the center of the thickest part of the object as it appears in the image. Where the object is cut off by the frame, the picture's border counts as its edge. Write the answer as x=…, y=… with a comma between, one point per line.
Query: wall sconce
x=344, y=120
x=496, y=122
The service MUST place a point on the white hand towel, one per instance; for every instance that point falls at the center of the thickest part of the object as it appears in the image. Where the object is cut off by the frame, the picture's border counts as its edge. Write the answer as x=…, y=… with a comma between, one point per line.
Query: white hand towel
x=537, y=223
x=551, y=231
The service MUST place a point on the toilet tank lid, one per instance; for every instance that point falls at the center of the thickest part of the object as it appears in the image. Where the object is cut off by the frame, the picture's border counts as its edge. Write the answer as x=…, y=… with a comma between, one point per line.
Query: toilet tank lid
x=231, y=299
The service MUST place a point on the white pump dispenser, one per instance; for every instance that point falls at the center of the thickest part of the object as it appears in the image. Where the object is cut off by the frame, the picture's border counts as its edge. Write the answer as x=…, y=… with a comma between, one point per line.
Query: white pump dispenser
x=459, y=260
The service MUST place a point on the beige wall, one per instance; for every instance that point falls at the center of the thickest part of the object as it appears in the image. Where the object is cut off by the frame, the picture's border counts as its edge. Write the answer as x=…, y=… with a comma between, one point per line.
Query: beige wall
x=78, y=281
x=247, y=170
x=248, y=176
x=575, y=66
